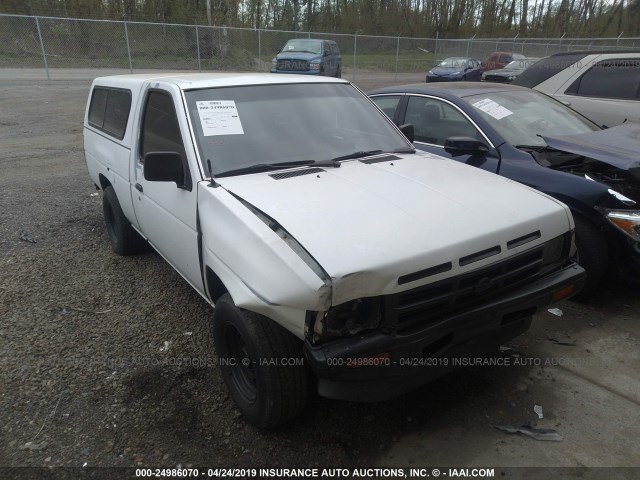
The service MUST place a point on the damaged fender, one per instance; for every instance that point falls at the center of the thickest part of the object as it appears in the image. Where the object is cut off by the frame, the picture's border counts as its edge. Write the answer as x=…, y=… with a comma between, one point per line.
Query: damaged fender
x=261, y=272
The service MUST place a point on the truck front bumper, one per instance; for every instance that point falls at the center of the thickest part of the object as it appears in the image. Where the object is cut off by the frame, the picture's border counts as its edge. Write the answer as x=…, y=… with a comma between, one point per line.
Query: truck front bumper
x=378, y=366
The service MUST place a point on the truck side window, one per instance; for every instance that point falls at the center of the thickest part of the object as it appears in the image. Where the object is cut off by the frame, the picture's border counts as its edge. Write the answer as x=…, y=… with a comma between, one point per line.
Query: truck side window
x=109, y=110
x=160, y=128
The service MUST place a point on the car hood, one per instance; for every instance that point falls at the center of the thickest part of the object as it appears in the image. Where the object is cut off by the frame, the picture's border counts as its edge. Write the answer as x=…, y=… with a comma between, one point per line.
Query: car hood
x=505, y=72
x=367, y=224
x=617, y=146
x=445, y=71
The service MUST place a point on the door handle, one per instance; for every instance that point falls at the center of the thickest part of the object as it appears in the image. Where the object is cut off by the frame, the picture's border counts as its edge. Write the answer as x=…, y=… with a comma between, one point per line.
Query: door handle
x=139, y=187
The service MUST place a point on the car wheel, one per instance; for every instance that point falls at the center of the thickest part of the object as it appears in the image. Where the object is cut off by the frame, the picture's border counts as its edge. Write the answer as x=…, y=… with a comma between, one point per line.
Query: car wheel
x=339, y=72
x=251, y=349
x=124, y=239
x=592, y=255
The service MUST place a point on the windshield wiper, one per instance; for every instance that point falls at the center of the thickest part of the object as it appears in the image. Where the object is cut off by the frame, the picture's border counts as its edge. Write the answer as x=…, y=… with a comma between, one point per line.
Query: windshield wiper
x=266, y=167
x=358, y=154
x=361, y=154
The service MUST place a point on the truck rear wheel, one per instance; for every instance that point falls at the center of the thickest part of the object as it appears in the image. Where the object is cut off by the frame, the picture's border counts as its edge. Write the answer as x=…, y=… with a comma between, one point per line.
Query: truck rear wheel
x=124, y=239
x=261, y=363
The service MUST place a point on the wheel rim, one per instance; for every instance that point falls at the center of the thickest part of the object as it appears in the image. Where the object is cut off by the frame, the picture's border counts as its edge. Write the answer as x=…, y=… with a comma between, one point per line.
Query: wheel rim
x=242, y=368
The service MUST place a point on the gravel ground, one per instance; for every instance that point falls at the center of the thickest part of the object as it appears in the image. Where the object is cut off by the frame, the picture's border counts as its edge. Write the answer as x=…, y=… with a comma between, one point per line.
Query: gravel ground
x=108, y=360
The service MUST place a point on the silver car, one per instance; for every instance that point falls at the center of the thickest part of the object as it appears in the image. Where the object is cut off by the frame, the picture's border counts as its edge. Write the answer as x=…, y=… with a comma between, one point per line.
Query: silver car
x=603, y=86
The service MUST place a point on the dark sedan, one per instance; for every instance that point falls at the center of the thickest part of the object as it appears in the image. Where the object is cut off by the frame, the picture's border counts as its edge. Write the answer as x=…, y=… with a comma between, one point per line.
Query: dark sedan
x=526, y=136
x=509, y=73
x=455, y=69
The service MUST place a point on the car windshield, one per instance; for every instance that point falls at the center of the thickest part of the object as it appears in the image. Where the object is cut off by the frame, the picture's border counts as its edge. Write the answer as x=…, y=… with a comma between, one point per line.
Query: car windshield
x=303, y=45
x=453, y=63
x=522, y=116
x=240, y=127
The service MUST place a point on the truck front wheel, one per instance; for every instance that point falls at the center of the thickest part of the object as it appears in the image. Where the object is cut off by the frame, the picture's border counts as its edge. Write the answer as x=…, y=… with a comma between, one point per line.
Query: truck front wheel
x=124, y=239
x=261, y=363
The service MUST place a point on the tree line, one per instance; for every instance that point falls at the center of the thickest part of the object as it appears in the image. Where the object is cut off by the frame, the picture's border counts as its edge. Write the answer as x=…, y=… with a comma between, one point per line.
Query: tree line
x=413, y=18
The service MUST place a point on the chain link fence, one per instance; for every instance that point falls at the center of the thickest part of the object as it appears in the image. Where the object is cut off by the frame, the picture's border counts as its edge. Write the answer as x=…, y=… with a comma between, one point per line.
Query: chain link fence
x=55, y=43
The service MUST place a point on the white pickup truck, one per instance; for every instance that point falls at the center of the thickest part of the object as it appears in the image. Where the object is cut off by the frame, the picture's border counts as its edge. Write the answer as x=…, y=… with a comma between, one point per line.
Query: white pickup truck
x=325, y=242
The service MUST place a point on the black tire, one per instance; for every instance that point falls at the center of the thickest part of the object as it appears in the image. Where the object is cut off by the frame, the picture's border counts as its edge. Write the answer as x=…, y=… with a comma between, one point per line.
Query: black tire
x=124, y=239
x=592, y=255
x=267, y=394
x=339, y=72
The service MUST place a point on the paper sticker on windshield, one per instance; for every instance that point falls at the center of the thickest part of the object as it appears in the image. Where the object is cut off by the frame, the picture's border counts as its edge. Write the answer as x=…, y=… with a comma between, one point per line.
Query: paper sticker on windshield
x=492, y=108
x=219, y=117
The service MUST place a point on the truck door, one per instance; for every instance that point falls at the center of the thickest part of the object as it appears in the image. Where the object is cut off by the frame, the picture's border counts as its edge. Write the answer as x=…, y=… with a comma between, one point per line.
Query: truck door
x=166, y=213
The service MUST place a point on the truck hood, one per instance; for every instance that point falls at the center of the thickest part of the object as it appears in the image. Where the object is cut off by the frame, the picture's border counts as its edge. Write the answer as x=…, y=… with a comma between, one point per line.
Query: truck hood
x=298, y=56
x=367, y=224
x=617, y=146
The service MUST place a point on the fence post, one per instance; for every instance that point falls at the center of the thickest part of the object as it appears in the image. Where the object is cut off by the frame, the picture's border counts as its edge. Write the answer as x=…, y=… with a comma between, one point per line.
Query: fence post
x=44, y=55
x=126, y=36
x=355, y=46
x=260, y=49
x=435, y=52
x=397, y=55
x=618, y=40
x=198, y=47
x=469, y=45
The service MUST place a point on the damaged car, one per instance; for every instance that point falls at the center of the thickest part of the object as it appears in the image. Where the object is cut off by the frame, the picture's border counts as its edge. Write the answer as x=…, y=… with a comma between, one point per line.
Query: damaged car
x=335, y=255
x=529, y=137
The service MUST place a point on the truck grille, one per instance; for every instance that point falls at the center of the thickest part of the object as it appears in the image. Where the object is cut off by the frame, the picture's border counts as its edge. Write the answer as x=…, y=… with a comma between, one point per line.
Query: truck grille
x=427, y=304
x=293, y=65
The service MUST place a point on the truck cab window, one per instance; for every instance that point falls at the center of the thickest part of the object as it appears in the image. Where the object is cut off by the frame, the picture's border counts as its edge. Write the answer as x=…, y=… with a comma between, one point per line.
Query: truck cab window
x=160, y=128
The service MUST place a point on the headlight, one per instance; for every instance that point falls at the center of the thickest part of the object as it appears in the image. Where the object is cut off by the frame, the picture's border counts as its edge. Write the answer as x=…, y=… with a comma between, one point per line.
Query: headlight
x=627, y=221
x=350, y=318
x=274, y=63
x=554, y=249
x=429, y=72
x=511, y=78
x=314, y=66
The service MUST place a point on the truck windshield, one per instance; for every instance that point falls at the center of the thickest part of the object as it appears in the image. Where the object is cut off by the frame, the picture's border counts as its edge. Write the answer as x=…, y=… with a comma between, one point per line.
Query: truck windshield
x=238, y=127
x=303, y=45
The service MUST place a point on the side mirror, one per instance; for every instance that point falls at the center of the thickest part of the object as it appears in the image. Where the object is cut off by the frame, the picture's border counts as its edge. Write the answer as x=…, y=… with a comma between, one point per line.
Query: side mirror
x=456, y=146
x=167, y=167
x=326, y=53
x=408, y=131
